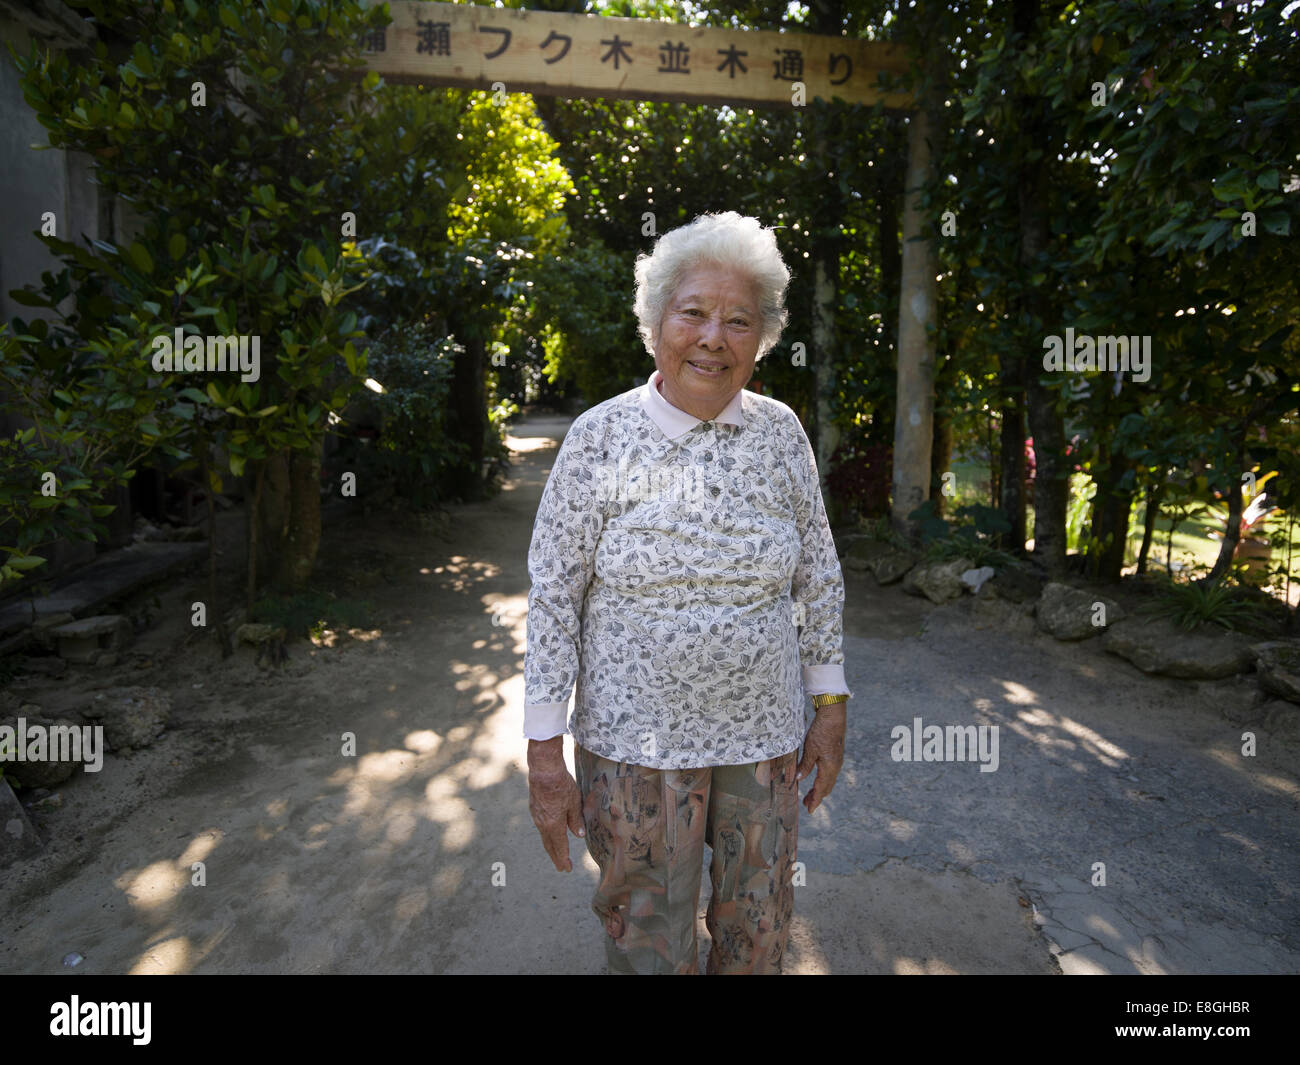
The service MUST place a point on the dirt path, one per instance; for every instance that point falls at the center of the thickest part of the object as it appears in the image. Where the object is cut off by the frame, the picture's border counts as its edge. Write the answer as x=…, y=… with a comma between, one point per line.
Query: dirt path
x=418, y=855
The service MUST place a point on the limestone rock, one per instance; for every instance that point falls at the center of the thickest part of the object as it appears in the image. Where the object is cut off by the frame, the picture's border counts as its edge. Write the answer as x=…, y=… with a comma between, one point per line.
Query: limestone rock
x=1278, y=665
x=45, y=773
x=1018, y=583
x=1157, y=645
x=975, y=579
x=940, y=582
x=886, y=562
x=42, y=629
x=132, y=716
x=18, y=839
x=1067, y=613
x=79, y=640
x=892, y=564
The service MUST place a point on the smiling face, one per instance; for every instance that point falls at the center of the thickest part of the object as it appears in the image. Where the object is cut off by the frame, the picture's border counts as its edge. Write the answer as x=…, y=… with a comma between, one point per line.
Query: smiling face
x=708, y=340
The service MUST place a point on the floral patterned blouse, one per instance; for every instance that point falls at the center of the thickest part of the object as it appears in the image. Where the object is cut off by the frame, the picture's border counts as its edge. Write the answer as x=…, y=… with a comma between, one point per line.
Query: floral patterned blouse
x=685, y=580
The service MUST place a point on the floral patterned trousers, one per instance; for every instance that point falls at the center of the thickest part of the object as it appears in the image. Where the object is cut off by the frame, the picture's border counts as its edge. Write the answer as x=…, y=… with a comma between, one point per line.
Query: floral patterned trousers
x=647, y=829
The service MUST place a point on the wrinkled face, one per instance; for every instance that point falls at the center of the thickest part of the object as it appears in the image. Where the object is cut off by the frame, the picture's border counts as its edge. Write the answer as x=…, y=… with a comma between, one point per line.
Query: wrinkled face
x=708, y=340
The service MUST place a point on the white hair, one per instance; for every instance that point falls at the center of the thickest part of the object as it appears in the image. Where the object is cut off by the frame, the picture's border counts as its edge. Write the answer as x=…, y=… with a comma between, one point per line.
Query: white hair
x=729, y=241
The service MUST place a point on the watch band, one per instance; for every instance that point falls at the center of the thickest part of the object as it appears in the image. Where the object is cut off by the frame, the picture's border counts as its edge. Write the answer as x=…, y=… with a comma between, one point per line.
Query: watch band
x=826, y=700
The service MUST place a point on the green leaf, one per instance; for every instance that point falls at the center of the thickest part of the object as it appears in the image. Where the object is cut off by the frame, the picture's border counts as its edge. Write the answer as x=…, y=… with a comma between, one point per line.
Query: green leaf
x=1278, y=223
x=176, y=246
x=1268, y=179
x=315, y=259
x=140, y=258
x=24, y=562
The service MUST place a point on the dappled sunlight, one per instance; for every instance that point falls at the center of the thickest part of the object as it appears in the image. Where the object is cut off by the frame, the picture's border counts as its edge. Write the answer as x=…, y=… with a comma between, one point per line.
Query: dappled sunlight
x=1018, y=693
x=443, y=804
x=401, y=818
x=156, y=886
x=1237, y=837
x=900, y=830
x=523, y=444
x=334, y=637
x=1230, y=758
x=1035, y=724
x=460, y=573
x=171, y=957
x=904, y=966
x=962, y=853
x=423, y=741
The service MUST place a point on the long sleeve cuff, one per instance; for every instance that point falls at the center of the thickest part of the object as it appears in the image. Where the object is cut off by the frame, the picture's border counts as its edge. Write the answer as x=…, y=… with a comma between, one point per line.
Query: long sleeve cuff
x=824, y=680
x=544, y=721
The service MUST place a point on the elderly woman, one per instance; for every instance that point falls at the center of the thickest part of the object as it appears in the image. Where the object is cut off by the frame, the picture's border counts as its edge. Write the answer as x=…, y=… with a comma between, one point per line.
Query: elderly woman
x=685, y=580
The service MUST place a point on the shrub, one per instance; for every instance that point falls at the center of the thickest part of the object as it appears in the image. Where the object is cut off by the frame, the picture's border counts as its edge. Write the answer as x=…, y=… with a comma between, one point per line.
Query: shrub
x=1190, y=604
x=413, y=450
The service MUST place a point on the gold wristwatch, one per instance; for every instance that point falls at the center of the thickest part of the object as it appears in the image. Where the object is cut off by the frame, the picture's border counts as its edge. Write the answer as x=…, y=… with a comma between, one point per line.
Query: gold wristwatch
x=825, y=700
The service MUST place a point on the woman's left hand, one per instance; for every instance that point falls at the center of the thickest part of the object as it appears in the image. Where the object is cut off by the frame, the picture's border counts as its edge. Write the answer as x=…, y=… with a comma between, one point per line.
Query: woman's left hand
x=823, y=750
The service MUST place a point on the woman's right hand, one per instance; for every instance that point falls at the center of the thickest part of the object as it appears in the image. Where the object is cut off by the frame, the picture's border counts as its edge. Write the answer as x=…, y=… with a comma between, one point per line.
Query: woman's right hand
x=553, y=799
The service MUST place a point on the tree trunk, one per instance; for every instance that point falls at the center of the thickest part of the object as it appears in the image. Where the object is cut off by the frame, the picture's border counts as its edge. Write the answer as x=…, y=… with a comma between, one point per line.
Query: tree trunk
x=214, y=602
x=995, y=466
x=890, y=174
x=1155, y=492
x=1232, y=531
x=888, y=203
x=272, y=513
x=941, y=458
x=1052, y=474
x=252, y=507
x=303, y=540
x=1111, y=506
x=826, y=436
x=918, y=303
x=467, y=417
x=1011, y=476
x=828, y=18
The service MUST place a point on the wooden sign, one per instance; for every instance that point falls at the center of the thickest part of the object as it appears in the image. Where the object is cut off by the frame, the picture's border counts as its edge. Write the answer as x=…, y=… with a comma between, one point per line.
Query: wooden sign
x=514, y=50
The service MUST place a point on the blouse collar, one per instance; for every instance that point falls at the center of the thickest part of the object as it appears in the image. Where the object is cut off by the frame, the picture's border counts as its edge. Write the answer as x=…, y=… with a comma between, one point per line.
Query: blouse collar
x=673, y=421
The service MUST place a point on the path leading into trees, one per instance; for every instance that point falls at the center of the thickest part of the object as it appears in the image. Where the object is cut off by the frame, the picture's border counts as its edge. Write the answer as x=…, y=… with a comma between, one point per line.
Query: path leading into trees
x=418, y=855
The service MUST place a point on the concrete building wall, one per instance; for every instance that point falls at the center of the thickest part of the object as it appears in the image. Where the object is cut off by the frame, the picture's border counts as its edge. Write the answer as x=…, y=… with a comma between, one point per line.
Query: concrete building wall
x=36, y=179
x=33, y=181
